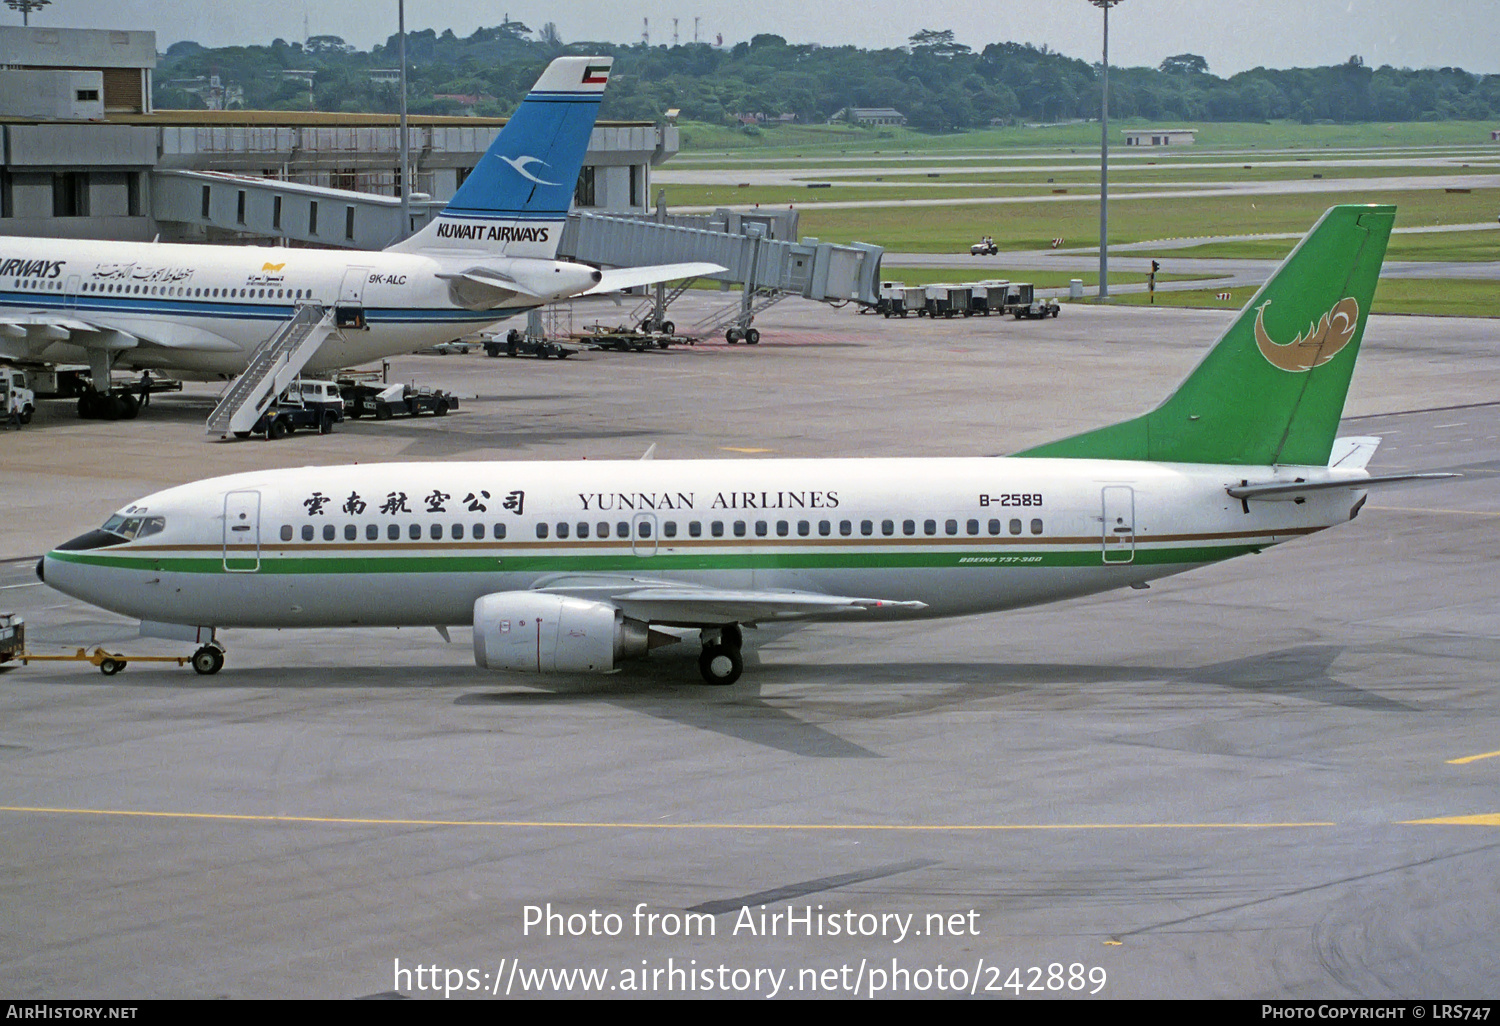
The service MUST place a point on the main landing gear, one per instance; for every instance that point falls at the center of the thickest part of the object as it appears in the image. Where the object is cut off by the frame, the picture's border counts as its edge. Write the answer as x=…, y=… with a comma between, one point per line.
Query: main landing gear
x=721, y=663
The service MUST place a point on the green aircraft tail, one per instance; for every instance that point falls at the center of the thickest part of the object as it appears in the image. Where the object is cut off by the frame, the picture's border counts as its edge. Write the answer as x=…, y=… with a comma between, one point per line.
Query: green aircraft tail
x=1272, y=388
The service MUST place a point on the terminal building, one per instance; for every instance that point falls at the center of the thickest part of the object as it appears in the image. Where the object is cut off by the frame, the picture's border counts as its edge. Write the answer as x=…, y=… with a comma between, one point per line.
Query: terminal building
x=86, y=156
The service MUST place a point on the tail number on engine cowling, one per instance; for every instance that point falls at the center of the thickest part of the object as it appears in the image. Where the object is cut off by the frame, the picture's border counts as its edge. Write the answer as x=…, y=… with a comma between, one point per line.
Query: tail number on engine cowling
x=1012, y=499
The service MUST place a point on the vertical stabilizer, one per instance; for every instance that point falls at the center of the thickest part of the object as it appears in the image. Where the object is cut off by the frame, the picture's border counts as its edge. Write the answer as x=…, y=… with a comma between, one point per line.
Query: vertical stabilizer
x=515, y=202
x=1272, y=389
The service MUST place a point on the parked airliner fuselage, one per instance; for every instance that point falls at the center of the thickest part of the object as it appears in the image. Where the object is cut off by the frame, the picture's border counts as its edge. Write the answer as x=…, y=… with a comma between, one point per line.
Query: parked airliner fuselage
x=406, y=544
x=221, y=302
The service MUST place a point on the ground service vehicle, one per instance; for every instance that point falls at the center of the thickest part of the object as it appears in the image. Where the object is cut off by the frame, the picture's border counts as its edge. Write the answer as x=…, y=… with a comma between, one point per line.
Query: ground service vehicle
x=309, y=405
x=398, y=400
x=518, y=343
x=15, y=397
x=12, y=636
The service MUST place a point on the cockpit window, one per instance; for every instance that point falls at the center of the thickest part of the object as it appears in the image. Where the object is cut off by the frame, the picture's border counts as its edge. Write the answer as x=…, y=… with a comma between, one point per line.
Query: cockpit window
x=131, y=528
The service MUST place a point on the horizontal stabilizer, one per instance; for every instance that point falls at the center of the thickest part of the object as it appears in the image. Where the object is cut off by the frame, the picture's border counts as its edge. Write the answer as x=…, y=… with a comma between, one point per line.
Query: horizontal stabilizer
x=1353, y=452
x=1287, y=491
x=634, y=277
x=481, y=289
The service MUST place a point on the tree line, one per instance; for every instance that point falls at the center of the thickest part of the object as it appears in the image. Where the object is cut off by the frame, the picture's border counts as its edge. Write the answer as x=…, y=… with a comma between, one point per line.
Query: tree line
x=937, y=83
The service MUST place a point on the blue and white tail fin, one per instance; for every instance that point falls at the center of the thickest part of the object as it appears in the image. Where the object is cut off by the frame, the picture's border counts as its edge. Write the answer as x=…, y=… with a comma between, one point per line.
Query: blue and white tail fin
x=516, y=201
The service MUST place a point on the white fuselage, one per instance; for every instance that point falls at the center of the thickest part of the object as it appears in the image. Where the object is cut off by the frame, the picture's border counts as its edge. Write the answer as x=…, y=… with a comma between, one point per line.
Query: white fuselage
x=419, y=543
x=202, y=310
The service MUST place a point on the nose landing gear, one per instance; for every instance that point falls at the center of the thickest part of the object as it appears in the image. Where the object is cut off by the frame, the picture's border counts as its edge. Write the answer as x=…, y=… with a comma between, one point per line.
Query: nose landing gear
x=208, y=660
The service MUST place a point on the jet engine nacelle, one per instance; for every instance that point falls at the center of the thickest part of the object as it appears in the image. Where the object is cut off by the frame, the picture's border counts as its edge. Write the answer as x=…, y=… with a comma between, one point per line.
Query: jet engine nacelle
x=536, y=632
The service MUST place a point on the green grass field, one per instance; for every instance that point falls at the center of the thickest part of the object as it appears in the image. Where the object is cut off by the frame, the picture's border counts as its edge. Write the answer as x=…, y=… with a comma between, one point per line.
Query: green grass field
x=789, y=141
x=1472, y=245
x=950, y=229
x=1453, y=297
x=1041, y=279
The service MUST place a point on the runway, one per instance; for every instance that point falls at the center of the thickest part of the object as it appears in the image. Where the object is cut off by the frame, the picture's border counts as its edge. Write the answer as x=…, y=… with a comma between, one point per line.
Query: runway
x=1274, y=778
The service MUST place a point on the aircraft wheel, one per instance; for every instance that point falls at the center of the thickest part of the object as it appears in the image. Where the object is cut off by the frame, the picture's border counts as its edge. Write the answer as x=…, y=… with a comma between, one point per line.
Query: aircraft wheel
x=110, y=667
x=720, y=665
x=732, y=336
x=278, y=429
x=752, y=336
x=668, y=328
x=208, y=660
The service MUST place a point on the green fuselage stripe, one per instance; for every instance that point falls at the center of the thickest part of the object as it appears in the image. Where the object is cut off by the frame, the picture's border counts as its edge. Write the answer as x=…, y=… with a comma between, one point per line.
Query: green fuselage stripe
x=499, y=561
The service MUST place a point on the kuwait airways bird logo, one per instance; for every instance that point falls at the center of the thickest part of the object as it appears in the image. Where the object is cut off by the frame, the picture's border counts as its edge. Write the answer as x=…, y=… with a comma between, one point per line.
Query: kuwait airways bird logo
x=1322, y=342
x=520, y=164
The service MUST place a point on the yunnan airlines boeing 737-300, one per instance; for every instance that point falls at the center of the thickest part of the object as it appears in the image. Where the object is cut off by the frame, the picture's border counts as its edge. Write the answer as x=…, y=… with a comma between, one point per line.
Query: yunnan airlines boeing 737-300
x=201, y=311
x=573, y=567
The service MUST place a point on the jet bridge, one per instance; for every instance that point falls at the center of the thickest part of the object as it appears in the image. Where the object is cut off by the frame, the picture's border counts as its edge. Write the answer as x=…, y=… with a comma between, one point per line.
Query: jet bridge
x=744, y=244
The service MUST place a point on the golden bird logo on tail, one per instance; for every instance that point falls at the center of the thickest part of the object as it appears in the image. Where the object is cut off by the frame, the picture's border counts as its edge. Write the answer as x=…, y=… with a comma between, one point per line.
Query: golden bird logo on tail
x=1321, y=343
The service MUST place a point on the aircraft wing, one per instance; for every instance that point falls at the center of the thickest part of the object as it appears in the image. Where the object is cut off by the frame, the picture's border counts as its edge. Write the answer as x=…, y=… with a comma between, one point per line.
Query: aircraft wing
x=632, y=277
x=24, y=336
x=674, y=603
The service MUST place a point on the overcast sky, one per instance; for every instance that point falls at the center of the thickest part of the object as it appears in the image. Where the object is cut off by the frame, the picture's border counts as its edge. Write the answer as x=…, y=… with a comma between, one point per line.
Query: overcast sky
x=1233, y=35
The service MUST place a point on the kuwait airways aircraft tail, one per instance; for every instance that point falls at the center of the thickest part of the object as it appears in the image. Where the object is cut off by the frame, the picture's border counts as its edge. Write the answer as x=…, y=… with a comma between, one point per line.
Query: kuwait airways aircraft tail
x=515, y=203
x=1272, y=389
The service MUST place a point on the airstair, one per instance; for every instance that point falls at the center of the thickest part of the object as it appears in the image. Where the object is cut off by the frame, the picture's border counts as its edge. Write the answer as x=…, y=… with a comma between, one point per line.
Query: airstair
x=739, y=314
x=272, y=368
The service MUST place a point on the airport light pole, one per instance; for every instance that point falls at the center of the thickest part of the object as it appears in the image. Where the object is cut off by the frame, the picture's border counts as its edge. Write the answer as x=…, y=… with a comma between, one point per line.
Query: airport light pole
x=1104, y=5
x=405, y=146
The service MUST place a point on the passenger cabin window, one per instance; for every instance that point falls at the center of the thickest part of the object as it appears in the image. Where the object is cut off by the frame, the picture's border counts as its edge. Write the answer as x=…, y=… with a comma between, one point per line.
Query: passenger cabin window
x=414, y=532
x=393, y=532
x=286, y=532
x=350, y=532
x=372, y=532
x=541, y=530
x=1036, y=527
x=328, y=532
x=1015, y=527
x=307, y=532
